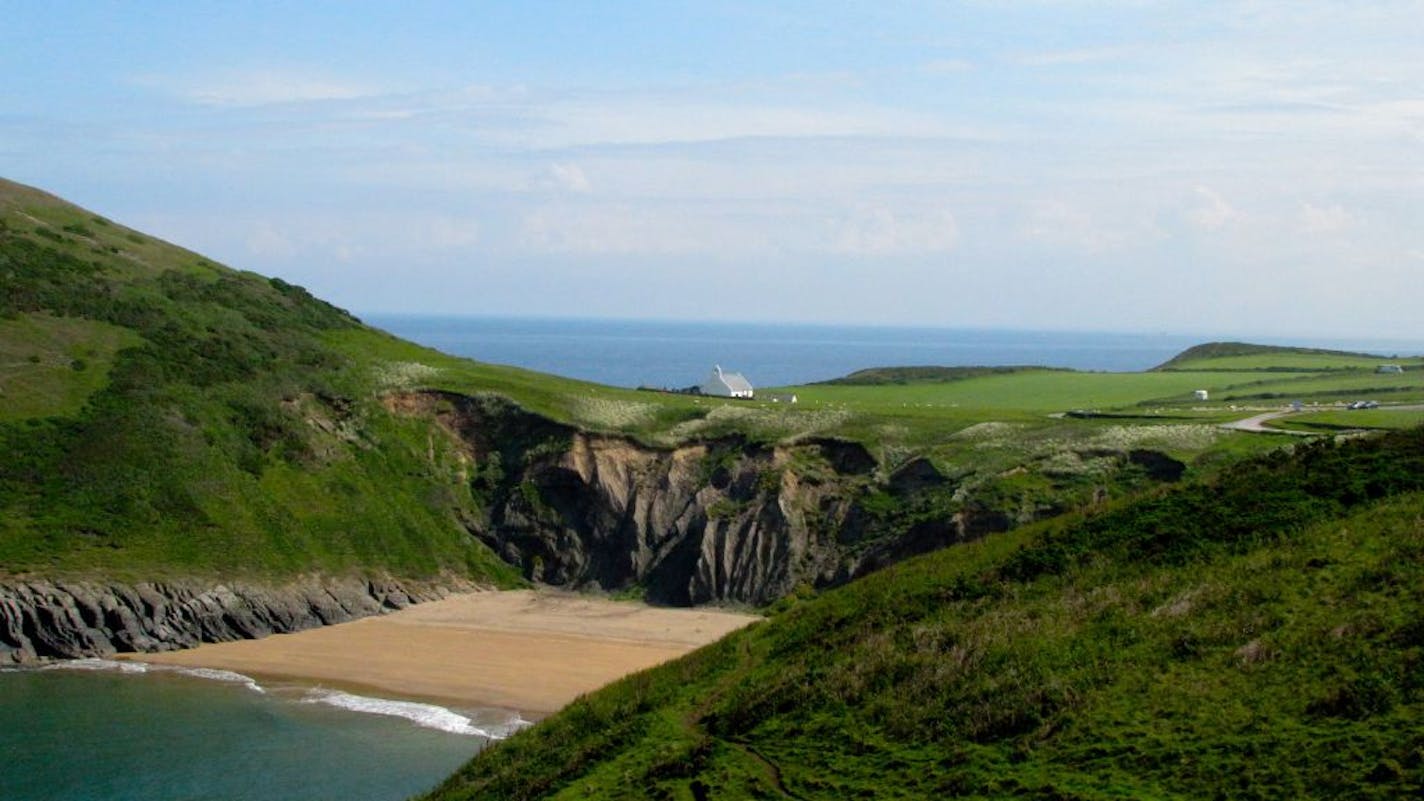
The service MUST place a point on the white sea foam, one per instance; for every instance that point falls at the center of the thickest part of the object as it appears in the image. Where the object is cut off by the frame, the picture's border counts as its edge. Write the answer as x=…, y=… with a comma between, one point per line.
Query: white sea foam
x=491, y=724
x=98, y=664
x=222, y=675
x=429, y=716
x=123, y=666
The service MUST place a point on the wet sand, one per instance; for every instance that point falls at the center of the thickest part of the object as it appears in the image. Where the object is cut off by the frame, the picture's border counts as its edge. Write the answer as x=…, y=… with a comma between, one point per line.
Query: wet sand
x=529, y=651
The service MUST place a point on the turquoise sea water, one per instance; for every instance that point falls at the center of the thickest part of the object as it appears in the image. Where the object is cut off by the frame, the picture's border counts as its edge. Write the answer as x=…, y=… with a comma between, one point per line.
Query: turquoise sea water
x=120, y=735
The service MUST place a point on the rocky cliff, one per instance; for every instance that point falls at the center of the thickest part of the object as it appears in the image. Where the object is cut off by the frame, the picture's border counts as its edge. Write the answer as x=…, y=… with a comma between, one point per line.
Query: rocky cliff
x=47, y=619
x=722, y=520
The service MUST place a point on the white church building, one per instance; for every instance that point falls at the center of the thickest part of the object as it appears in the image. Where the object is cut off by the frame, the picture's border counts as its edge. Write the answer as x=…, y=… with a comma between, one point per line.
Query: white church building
x=726, y=385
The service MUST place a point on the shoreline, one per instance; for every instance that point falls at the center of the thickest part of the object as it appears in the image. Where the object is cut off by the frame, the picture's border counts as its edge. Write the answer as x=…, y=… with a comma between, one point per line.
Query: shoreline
x=529, y=652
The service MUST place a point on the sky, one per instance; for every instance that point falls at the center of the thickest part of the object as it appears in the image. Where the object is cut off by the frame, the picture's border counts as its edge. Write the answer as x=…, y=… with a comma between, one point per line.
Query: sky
x=1235, y=168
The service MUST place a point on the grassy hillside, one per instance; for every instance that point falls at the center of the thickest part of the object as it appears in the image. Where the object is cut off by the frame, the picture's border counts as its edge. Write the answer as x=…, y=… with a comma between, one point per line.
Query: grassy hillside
x=1257, y=636
x=164, y=414
x=1246, y=356
x=51, y=365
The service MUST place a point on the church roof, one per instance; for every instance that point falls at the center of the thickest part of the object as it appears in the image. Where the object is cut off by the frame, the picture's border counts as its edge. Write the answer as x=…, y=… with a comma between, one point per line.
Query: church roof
x=736, y=382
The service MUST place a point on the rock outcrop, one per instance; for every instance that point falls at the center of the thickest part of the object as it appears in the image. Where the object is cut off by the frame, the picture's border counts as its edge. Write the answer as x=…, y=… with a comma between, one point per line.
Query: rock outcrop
x=42, y=619
x=704, y=522
x=720, y=520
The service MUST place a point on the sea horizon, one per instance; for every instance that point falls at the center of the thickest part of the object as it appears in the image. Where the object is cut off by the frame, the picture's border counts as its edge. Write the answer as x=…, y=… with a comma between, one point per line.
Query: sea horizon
x=633, y=352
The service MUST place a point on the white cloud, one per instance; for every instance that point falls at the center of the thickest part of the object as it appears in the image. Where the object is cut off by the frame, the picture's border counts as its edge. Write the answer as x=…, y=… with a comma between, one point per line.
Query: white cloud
x=652, y=119
x=260, y=87
x=737, y=228
x=348, y=237
x=449, y=233
x=947, y=66
x=1213, y=212
x=1330, y=219
x=266, y=242
x=1087, y=55
x=570, y=178
x=880, y=231
x=1081, y=227
x=615, y=228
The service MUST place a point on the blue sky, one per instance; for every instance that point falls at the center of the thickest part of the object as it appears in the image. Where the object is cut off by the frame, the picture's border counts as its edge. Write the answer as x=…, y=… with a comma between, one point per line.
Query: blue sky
x=1251, y=168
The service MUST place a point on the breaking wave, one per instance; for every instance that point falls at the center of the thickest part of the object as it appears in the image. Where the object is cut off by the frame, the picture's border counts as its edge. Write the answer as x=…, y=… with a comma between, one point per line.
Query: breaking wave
x=429, y=716
x=113, y=665
x=489, y=724
x=124, y=666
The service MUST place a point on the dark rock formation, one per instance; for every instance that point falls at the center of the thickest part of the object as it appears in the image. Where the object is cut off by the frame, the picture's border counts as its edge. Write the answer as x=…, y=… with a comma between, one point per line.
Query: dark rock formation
x=705, y=522
x=45, y=619
x=722, y=520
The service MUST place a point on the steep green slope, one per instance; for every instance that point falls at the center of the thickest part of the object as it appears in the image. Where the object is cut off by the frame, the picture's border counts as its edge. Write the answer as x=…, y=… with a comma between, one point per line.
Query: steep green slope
x=163, y=414
x=1257, y=636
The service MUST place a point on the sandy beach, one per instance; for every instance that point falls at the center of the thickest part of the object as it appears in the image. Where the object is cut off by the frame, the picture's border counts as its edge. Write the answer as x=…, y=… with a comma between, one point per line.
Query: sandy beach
x=526, y=650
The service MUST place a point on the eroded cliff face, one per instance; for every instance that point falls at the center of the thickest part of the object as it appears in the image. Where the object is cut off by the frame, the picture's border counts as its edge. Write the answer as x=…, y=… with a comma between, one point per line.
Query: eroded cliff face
x=718, y=520
x=714, y=521
x=724, y=520
x=42, y=619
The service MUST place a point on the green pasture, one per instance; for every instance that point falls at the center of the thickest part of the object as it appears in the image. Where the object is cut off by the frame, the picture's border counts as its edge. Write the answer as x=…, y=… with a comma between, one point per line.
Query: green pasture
x=1040, y=391
x=50, y=365
x=1397, y=386
x=1295, y=362
x=1338, y=419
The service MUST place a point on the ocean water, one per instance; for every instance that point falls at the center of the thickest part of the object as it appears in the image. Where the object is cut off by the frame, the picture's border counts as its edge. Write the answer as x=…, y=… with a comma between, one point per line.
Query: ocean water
x=104, y=730
x=632, y=353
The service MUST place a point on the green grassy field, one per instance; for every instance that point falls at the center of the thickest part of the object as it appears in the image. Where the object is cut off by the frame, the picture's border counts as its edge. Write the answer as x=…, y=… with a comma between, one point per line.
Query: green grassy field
x=1337, y=420
x=1325, y=386
x=1041, y=391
